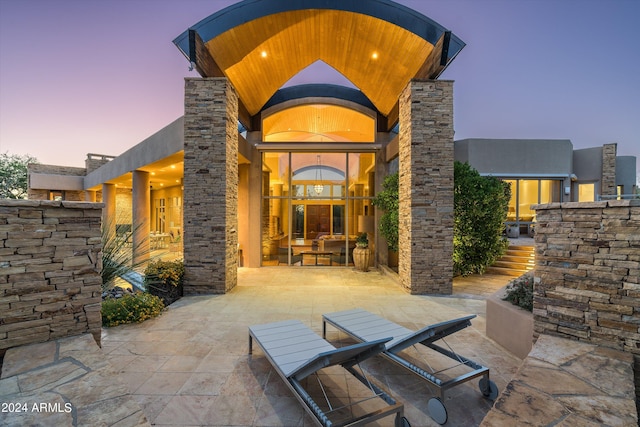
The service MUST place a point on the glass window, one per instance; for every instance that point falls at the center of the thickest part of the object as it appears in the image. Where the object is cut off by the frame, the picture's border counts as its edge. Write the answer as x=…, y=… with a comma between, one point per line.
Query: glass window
x=527, y=192
x=56, y=195
x=329, y=191
x=160, y=205
x=550, y=190
x=527, y=196
x=511, y=214
x=275, y=168
x=586, y=192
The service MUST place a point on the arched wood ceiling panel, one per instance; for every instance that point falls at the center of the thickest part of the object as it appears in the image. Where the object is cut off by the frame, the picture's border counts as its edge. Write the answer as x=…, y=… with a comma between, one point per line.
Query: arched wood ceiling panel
x=292, y=40
x=378, y=45
x=319, y=123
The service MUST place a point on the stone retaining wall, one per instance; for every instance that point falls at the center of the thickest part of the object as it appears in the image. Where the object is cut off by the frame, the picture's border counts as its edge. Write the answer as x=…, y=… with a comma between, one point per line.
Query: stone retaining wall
x=588, y=263
x=50, y=283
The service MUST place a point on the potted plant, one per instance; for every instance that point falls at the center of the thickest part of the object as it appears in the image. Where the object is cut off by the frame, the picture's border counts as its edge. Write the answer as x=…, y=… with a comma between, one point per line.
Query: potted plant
x=361, y=253
x=362, y=241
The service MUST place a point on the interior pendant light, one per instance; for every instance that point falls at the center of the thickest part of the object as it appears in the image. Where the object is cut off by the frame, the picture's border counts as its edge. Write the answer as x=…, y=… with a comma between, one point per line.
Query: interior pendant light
x=318, y=187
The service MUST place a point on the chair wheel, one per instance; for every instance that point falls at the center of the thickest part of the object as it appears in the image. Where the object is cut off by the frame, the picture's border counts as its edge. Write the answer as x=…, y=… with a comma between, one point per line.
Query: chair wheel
x=405, y=422
x=490, y=390
x=437, y=410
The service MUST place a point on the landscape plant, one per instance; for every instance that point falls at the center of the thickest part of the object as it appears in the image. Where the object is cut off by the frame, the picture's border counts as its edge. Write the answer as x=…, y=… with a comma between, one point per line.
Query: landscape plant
x=164, y=279
x=131, y=308
x=117, y=254
x=388, y=201
x=480, y=211
x=362, y=241
x=520, y=292
x=13, y=175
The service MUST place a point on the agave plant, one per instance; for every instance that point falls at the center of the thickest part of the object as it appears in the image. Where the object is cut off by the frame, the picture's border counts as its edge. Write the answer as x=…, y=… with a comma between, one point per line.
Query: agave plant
x=117, y=253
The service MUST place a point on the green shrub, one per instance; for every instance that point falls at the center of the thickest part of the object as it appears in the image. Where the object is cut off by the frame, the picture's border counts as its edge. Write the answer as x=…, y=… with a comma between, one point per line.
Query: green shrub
x=131, y=308
x=164, y=279
x=388, y=201
x=480, y=211
x=520, y=292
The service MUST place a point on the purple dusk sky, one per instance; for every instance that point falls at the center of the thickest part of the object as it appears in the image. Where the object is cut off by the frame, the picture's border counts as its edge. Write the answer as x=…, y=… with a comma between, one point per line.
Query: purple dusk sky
x=99, y=76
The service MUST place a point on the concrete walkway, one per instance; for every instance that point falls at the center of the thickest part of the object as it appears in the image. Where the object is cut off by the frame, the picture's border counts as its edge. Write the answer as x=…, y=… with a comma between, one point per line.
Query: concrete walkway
x=189, y=367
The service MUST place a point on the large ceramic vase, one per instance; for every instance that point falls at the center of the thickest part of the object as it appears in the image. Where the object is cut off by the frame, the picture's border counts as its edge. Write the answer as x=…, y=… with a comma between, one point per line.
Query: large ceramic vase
x=361, y=258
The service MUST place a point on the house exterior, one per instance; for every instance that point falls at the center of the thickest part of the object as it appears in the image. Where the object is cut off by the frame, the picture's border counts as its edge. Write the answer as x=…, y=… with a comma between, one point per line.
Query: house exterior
x=544, y=171
x=257, y=175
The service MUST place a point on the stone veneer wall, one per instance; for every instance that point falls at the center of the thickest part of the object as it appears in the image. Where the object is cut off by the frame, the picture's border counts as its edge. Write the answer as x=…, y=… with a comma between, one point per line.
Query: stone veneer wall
x=94, y=161
x=426, y=187
x=588, y=273
x=50, y=283
x=40, y=194
x=609, y=187
x=210, y=186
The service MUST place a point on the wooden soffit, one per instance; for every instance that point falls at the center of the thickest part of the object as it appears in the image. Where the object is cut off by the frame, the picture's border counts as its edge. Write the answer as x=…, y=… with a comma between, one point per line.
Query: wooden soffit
x=318, y=123
x=377, y=54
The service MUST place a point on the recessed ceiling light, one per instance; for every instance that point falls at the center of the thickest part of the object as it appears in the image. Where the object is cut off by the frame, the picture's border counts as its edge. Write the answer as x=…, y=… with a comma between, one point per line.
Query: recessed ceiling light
x=374, y=55
x=173, y=166
x=153, y=173
x=263, y=53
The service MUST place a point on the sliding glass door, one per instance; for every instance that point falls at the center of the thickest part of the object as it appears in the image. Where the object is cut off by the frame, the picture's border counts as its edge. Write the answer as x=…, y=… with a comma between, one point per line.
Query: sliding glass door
x=311, y=205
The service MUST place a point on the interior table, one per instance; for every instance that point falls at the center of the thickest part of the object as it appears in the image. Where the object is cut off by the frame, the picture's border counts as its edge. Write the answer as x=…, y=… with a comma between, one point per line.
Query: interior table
x=316, y=254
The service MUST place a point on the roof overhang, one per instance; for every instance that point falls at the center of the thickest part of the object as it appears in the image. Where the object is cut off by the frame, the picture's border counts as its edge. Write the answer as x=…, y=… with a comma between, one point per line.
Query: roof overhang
x=259, y=45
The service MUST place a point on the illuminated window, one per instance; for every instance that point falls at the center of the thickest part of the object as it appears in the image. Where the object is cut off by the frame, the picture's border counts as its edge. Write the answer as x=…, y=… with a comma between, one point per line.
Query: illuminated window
x=56, y=195
x=527, y=192
x=586, y=192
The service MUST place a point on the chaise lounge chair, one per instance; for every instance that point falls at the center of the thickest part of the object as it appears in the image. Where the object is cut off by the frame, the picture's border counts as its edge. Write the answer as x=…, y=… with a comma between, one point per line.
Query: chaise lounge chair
x=364, y=326
x=296, y=353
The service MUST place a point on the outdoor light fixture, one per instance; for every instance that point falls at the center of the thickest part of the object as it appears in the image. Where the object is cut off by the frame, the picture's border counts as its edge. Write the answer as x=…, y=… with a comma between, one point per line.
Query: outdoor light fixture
x=318, y=187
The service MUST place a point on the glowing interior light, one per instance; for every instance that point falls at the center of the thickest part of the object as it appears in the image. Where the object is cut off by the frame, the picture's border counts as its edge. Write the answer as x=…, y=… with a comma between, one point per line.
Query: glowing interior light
x=263, y=53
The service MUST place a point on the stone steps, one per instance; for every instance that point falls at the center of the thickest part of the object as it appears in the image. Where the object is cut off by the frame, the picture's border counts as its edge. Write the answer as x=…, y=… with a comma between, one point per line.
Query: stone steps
x=517, y=261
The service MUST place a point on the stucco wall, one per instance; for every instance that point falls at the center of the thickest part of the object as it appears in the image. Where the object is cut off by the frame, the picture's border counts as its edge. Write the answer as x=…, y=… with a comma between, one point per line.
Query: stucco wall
x=521, y=157
x=50, y=284
x=626, y=173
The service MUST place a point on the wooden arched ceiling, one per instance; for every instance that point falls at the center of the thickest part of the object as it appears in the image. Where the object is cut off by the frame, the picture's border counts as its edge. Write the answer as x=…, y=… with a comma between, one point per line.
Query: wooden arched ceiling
x=318, y=123
x=266, y=44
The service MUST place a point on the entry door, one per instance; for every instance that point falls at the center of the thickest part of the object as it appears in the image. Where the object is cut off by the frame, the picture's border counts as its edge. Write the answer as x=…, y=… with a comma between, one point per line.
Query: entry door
x=318, y=220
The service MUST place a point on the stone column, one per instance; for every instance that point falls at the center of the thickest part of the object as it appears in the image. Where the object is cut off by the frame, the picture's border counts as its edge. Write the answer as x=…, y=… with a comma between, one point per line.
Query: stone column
x=608, y=186
x=254, y=256
x=109, y=211
x=210, y=186
x=140, y=213
x=426, y=187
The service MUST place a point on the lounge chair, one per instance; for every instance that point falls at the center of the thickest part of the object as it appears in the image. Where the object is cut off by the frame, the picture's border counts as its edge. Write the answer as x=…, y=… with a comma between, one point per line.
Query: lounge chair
x=296, y=353
x=364, y=326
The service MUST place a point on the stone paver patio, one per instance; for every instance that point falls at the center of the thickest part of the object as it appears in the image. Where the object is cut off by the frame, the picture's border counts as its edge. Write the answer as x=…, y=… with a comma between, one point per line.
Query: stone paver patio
x=190, y=367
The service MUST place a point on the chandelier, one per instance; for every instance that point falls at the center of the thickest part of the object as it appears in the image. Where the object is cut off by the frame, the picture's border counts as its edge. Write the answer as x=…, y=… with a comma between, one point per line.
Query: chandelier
x=318, y=187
